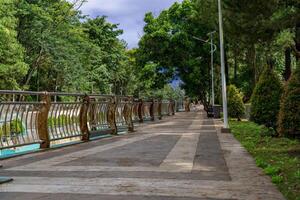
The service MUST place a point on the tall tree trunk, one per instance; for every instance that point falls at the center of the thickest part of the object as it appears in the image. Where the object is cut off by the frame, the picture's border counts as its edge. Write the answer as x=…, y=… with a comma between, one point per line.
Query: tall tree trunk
x=33, y=68
x=235, y=68
x=251, y=61
x=287, y=70
x=298, y=42
x=270, y=62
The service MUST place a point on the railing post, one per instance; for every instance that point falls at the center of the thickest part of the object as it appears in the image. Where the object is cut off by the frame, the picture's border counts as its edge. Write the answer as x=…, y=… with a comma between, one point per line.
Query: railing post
x=152, y=110
x=173, y=106
x=42, y=120
x=92, y=114
x=83, y=117
x=187, y=105
x=159, y=109
x=140, y=111
x=111, y=115
x=128, y=113
x=169, y=108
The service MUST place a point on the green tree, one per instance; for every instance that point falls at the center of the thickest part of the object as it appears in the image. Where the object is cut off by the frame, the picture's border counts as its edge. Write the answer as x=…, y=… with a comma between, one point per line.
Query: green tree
x=265, y=100
x=12, y=65
x=168, y=42
x=236, y=107
x=289, y=114
x=55, y=45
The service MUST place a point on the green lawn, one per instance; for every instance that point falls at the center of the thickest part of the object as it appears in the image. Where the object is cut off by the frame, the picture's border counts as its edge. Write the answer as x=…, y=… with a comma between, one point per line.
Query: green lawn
x=279, y=157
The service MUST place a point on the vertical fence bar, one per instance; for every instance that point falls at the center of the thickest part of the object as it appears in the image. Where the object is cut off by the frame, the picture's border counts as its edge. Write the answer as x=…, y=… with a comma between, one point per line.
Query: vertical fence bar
x=42, y=120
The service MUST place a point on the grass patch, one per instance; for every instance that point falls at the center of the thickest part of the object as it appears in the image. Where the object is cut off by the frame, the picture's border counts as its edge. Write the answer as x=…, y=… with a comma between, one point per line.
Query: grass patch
x=279, y=157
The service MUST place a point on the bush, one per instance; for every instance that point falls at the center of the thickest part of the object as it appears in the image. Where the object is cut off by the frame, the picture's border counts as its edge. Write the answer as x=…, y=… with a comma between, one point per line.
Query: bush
x=268, y=131
x=289, y=115
x=265, y=100
x=236, y=107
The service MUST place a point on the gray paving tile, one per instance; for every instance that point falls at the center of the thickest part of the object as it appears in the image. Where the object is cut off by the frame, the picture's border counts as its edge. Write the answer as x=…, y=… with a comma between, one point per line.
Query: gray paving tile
x=148, y=152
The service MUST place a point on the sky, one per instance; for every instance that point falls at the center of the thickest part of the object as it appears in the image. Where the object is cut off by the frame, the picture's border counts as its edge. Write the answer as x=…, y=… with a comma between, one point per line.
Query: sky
x=129, y=14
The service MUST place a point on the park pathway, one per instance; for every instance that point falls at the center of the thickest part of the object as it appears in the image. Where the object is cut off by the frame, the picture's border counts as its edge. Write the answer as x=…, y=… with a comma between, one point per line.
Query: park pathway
x=183, y=157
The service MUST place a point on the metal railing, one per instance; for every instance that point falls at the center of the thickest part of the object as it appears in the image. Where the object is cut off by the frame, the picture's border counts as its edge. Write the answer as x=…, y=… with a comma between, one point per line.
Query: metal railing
x=168, y=107
x=63, y=116
x=146, y=110
x=180, y=105
x=100, y=114
x=136, y=110
x=19, y=118
x=47, y=117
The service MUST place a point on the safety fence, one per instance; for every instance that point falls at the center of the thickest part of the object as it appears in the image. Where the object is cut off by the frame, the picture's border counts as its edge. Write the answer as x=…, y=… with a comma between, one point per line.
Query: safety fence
x=46, y=117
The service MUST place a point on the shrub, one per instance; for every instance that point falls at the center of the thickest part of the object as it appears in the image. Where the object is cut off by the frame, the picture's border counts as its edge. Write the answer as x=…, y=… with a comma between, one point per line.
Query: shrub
x=271, y=170
x=268, y=131
x=289, y=115
x=277, y=179
x=265, y=100
x=236, y=107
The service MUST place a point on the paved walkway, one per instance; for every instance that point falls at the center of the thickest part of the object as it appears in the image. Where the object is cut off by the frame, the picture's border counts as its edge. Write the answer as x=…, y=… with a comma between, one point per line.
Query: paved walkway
x=183, y=157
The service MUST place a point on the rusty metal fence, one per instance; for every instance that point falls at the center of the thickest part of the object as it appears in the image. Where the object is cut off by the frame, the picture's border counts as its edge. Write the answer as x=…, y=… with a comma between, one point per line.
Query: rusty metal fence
x=47, y=117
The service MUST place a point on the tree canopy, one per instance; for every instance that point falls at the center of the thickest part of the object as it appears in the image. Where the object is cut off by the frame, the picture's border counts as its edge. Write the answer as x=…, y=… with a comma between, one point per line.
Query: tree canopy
x=257, y=33
x=51, y=45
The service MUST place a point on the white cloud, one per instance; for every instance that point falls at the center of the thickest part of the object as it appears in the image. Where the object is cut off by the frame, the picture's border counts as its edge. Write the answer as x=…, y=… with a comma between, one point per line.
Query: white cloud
x=128, y=13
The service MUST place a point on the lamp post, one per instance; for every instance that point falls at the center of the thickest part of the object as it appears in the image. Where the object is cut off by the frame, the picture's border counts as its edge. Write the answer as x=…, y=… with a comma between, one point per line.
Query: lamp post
x=225, y=129
x=213, y=48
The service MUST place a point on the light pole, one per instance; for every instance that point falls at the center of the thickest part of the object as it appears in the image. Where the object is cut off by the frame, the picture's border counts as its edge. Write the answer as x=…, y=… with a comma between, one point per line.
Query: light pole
x=225, y=129
x=213, y=48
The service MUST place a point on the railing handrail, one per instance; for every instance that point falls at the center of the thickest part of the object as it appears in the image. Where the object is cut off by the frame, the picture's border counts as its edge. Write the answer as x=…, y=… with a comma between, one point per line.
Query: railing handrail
x=27, y=92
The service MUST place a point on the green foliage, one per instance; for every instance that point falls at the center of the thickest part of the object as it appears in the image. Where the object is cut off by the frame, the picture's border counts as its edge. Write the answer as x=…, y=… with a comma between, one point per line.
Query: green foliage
x=289, y=115
x=261, y=163
x=279, y=157
x=13, y=127
x=50, y=45
x=12, y=65
x=277, y=179
x=265, y=100
x=168, y=42
x=111, y=64
x=267, y=131
x=62, y=120
x=271, y=170
x=168, y=92
x=236, y=107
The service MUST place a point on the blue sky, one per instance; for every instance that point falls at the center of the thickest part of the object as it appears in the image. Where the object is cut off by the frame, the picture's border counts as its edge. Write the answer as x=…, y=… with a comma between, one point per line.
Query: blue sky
x=128, y=13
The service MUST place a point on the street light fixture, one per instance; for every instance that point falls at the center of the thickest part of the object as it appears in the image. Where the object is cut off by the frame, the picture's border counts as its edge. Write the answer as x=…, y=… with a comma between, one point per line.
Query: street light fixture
x=225, y=129
x=213, y=48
